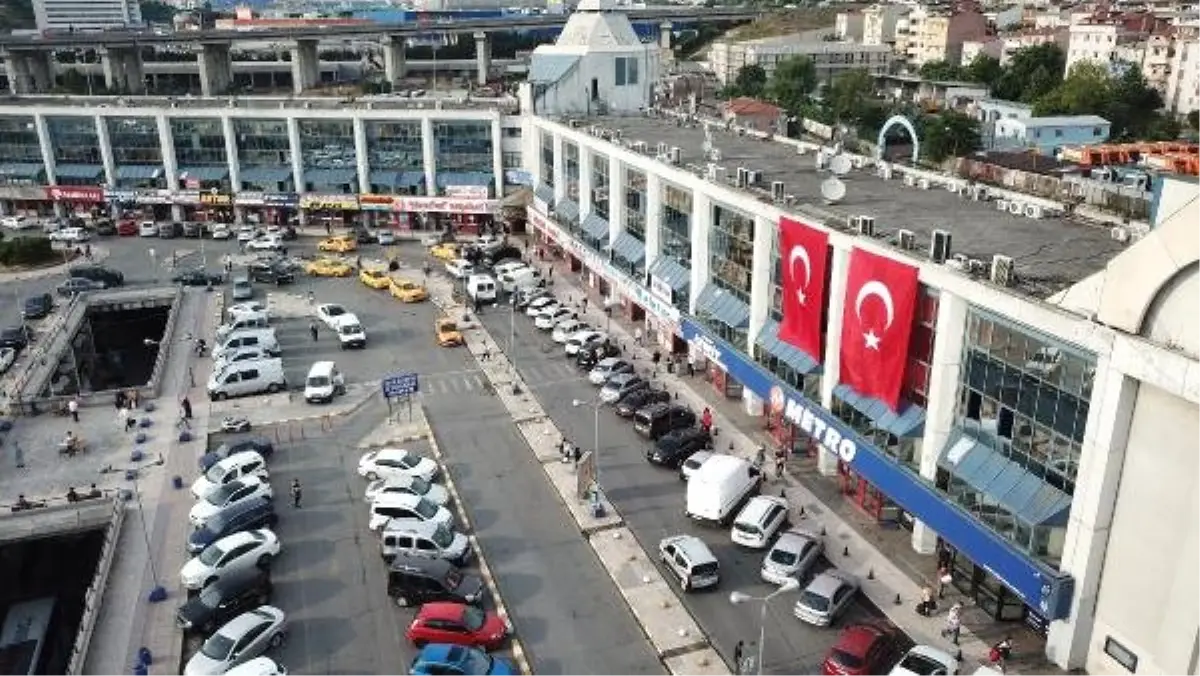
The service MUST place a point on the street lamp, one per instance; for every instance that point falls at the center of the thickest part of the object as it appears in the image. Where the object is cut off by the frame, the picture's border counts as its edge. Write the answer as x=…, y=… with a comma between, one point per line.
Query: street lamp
x=595, y=404
x=736, y=597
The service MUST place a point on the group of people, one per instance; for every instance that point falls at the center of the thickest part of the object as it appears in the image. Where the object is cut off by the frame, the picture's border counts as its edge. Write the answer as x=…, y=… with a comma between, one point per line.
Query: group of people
x=998, y=654
x=127, y=404
x=569, y=453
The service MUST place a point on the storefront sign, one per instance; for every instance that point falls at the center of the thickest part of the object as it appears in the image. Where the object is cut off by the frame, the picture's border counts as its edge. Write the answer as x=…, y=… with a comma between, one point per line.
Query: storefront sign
x=120, y=196
x=187, y=197
x=518, y=177
x=281, y=199
x=22, y=192
x=215, y=199
x=1046, y=590
x=661, y=289
x=469, y=192
x=153, y=197
x=329, y=202
x=376, y=202
x=445, y=205
x=75, y=193
x=249, y=199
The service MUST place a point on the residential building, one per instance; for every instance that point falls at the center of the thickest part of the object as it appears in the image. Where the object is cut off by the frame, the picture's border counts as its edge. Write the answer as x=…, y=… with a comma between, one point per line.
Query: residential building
x=1105, y=38
x=829, y=58
x=879, y=23
x=755, y=114
x=1152, y=56
x=1047, y=134
x=1182, y=94
x=86, y=15
x=935, y=34
x=848, y=26
x=989, y=46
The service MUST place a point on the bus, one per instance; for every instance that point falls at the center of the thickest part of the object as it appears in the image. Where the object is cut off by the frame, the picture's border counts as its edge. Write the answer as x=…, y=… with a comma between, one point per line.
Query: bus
x=24, y=634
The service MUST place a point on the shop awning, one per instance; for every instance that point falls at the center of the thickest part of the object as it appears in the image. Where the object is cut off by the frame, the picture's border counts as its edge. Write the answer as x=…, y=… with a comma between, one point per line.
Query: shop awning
x=139, y=172
x=724, y=307
x=595, y=227
x=629, y=248
x=266, y=174
x=465, y=178
x=550, y=68
x=204, y=174
x=799, y=360
x=567, y=210
x=22, y=170
x=670, y=271
x=330, y=176
x=79, y=171
x=1014, y=488
x=544, y=192
x=397, y=179
x=908, y=423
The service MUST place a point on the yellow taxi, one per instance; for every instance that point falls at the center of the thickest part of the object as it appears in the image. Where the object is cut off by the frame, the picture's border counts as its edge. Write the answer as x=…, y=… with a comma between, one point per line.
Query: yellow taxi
x=445, y=252
x=408, y=291
x=447, y=333
x=376, y=279
x=328, y=267
x=340, y=244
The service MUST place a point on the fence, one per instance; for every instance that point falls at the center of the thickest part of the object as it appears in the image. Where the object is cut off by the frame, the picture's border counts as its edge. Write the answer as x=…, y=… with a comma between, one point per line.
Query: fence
x=95, y=591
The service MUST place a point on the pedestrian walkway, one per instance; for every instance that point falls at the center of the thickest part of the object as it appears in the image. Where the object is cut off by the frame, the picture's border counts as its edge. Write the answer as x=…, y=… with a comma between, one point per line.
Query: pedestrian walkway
x=99, y=253
x=892, y=573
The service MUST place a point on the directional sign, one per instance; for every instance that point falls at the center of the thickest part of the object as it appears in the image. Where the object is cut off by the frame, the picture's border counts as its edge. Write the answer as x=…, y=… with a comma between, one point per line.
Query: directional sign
x=400, y=385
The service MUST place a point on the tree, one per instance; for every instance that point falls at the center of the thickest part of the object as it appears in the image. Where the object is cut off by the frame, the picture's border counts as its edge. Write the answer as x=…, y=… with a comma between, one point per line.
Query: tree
x=1032, y=72
x=984, y=69
x=1193, y=120
x=1086, y=91
x=751, y=81
x=949, y=134
x=157, y=12
x=940, y=71
x=795, y=79
x=849, y=95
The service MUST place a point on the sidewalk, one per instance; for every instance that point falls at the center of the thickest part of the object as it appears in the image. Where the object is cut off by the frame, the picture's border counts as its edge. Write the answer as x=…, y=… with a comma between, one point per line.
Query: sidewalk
x=99, y=253
x=855, y=543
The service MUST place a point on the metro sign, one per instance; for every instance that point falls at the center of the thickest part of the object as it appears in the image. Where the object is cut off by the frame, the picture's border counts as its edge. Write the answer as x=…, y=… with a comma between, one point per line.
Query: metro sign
x=705, y=346
x=815, y=422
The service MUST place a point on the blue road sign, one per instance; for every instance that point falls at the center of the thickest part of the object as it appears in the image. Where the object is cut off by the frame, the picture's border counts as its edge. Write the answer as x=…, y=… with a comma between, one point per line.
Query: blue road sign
x=400, y=385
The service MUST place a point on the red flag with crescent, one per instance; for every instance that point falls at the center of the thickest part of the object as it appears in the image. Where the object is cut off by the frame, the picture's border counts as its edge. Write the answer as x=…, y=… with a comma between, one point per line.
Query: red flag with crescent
x=881, y=298
x=803, y=258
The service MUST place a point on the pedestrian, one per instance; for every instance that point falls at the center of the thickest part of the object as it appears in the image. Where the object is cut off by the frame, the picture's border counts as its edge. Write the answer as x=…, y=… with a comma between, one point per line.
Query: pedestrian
x=119, y=400
x=655, y=358
x=486, y=354
x=706, y=420
x=583, y=304
x=328, y=228
x=927, y=604
x=130, y=420
x=564, y=450
x=18, y=454
x=425, y=269
x=1000, y=654
x=738, y=651
x=576, y=455
x=691, y=366
x=637, y=336
x=186, y=405
x=943, y=580
x=549, y=272
x=780, y=460
x=132, y=398
x=312, y=328
x=760, y=456
x=296, y=493
x=953, y=623
x=123, y=417
x=73, y=409
x=312, y=297
x=87, y=251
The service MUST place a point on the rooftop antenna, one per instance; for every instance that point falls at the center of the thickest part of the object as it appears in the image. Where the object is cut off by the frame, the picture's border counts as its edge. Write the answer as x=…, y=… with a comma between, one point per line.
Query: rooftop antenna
x=833, y=190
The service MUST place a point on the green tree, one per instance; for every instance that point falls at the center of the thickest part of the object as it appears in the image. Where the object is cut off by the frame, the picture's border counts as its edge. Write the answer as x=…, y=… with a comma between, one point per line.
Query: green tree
x=1193, y=120
x=941, y=71
x=949, y=134
x=1032, y=72
x=849, y=95
x=157, y=12
x=1086, y=91
x=984, y=69
x=16, y=14
x=751, y=80
x=794, y=81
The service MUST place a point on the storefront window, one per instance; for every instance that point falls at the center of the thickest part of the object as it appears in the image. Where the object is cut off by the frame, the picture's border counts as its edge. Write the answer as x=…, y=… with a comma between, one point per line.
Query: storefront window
x=264, y=155
x=464, y=155
x=635, y=203
x=920, y=349
x=571, y=169
x=731, y=251
x=330, y=161
x=200, y=153
x=20, y=148
x=76, y=147
x=600, y=184
x=547, y=158
x=137, y=152
x=903, y=450
x=676, y=237
x=396, y=157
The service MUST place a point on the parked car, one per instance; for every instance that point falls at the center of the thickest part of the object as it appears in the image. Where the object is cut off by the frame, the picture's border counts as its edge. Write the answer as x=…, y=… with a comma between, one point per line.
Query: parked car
x=238, y=551
x=389, y=462
x=587, y=358
x=329, y=313
x=454, y=660
x=197, y=277
x=240, y=516
x=192, y=229
x=37, y=307
x=863, y=649
x=15, y=337
x=693, y=463
x=690, y=561
x=232, y=468
x=104, y=227
x=271, y=273
x=536, y=305
x=70, y=236
x=147, y=229
x=169, y=230
x=248, y=488
x=583, y=340
x=923, y=660
x=546, y=321
x=825, y=597
x=221, y=231
x=241, y=639
x=608, y=368
x=629, y=404
x=98, y=273
x=223, y=600
x=761, y=517
x=792, y=556
x=259, y=666
x=260, y=445
x=409, y=484
x=564, y=330
x=457, y=623
x=414, y=581
x=127, y=228
x=423, y=540
x=77, y=285
x=672, y=449
x=265, y=243
x=8, y=356
x=620, y=385
x=655, y=420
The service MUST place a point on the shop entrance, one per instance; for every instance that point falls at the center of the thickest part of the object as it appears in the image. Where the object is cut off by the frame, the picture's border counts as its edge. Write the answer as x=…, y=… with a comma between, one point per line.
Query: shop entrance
x=636, y=312
x=723, y=383
x=864, y=495
x=990, y=594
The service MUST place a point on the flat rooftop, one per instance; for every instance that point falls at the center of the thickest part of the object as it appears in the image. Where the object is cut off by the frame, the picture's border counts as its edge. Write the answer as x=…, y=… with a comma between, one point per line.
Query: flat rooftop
x=440, y=100
x=1050, y=254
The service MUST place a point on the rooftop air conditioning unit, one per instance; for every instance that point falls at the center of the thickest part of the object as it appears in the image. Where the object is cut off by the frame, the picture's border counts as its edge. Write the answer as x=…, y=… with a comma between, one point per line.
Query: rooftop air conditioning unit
x=1001, y=204
x=910, y=180
x=939, y=246
x=662, y=148
x=753, y=177
x=574, y=124
x=1120, y=234
x=866, y=226
x=858, y=161
x=923, y=184
x=676, y=155
x=976, y=266
x=639, y=146
x=616, y=134
x=714, y=174
x=1002, y=270
x=1033, y=211
x=959, y=262
x=885, y=171
x=1016, y=208
x=907, y=240
x=777, y=191
x=742, y=177
x=979, y=193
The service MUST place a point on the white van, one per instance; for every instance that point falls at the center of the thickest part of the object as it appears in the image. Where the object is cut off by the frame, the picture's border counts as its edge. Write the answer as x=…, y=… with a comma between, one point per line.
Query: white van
x=422, y=539
x=323, y=383
x=350, y=331
x=459, y=268
x=481, y=288
x=247, y=377
x=720, y=487
x=264, y=339
x=246, y=320
x=520, y=278
x=406, y=506
x=232, y=468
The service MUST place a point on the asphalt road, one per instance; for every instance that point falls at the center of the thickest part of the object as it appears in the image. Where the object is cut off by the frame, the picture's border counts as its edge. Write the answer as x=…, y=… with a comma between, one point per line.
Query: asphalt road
x=651, y=500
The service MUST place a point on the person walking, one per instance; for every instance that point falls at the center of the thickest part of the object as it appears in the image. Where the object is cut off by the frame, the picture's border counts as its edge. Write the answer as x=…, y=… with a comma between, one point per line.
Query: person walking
x=576, y=455
x=637, y=336
x=943, y=580
x=73, y=409
x=780, y=461
x=706, y=420
x=691, y=366
x=738, y=651
x=760, y=456
x=296, y=493
x=123, y=417
x=953, y=623
x=18, y=454
x=927, y=604
x=1001, y=653
x=312, y=328
x=186, y=405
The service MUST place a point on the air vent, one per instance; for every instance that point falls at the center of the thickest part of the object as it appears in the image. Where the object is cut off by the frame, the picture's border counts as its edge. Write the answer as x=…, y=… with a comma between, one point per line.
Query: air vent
x=939, y=246
x=662, y=148
x=639, y=146
x=753, y=177
x=1002, y=270
x=866, y=226
x=575, y=124
x=742, y=177
x=907, y=240
x=777, y=191
x=676, y=154
x=959, y=262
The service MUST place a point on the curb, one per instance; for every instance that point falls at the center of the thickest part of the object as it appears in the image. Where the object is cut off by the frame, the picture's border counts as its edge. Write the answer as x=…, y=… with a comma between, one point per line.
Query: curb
x=288, y=421
x=518, y=649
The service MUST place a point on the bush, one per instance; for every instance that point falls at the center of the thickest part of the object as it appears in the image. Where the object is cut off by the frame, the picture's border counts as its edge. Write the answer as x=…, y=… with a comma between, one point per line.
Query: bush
x=26, y=251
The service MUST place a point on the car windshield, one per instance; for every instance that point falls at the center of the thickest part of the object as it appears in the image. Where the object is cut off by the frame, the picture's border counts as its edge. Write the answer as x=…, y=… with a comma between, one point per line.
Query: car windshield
x=426, y=509
x=449, y=326
x=334, y=310
x=217, y=647
x=921, y=664
x=348, y=329
x=473, y=618
x=815, y=601
x=442, y=537
x=477, y=662
x=211, y=555
x=453, y=579
x=318, y=381
x=746, y=528
x=709, y=568
x=419, y=486
x=849, y=660
x=783, y=557
x=222, y=494
x=216, y=473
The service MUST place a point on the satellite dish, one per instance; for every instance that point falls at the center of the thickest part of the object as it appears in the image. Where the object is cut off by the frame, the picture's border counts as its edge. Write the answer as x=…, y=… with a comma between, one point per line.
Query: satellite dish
x=833, y=190
x=840, y=165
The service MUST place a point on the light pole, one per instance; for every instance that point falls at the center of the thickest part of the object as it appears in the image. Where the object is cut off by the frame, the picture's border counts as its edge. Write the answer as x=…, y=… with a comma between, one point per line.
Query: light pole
x=595, y=404
x=736, y=597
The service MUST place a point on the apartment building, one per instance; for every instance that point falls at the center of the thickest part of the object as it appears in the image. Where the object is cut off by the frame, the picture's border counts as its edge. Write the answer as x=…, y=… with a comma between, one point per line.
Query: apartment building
x=1105, y=37
x=829, y=58
x=86, y=15
x=1182, y=93
x=848, y=26
x=934, y=34
x=879, y=23
x=1002, y=47
x=1152, y=56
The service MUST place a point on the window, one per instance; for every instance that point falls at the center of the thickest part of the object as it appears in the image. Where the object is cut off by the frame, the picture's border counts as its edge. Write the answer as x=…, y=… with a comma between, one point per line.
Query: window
x=731, y=250
x=200, y=143
x=626, y=70
x=329, y=156
x=600, y=189
x=74, y=140
x=1057, y=133
x=548, y=159
x=635, y=203
x=19, y=144
x=571, y=169
x=1095, y=131
x=676, y=222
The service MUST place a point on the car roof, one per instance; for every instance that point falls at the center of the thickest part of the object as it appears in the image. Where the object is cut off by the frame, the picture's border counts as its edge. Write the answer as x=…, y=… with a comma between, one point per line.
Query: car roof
x=793, y=540
x=433, y=566
x=857, y=638
x=396, y=500
x=693, y=547
x=827, y=583
x=608, y=362
x=441, y=611
x=413, y=526
x=393, y=452
x=237, y=579
x=622, y=378
x=235, y=539
x=241, y=624
x=239, y=458
x=758, y=505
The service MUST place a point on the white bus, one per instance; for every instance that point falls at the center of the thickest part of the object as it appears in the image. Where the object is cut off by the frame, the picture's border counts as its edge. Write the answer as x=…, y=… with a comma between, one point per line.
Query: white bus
x=24, y=634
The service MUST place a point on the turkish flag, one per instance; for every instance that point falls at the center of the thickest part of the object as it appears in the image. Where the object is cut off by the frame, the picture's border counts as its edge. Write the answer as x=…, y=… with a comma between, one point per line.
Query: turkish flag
x=804, y=256
x=881, y=298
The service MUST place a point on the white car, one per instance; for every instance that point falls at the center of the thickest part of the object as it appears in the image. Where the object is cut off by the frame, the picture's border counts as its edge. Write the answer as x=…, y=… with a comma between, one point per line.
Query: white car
x=241, y=550
x=923, y=660
x=70, y=236
x=246, y=233
x=412, y=485
x=7, y=356
x=259, y=666
x=250, y=307
x=391, y=462
x=221, y=231
x=227, y=470
x=536, y=305
x=693, y=463
x=825, y=597
x=385, y=237
x=147, y=229
x=407, y=506
x=583, y=339
x=18, y=222
x=607, y=368
x=241, y=639
x=329, y=313
x=547, y=320
x=460, y=268
x=759, y=520
x=566, y=329
x=239, y=354
x=249, y=488
x=266, y=243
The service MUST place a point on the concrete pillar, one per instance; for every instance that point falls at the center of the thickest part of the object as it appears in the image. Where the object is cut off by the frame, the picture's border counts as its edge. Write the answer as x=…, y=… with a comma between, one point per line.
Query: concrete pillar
x=585, y=183
x=306, y=66
x=654, y=192
x=43, y=132
x=560, y=169
x=760, y=277
x=839, y=265
x=166, y=141
x=702, y=208
x=40, y=70
x=1114, y=396
x=616, y=197
x=362, y=155
x=19, y=77
x=429, y=154
x=106, y=153
x=395, y=60
x=946, y=372
x=293, y=125
x=664, y=35
x=123, y=72
x=483, y=57
x=135, y=74
x=216, y=68
x=531, y=149
x=498, y=155
x=231, y=153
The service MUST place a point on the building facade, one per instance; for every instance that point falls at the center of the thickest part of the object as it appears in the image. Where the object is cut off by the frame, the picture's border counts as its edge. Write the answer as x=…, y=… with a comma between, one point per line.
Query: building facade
x=303, y=162
x=830, y=59
x=934, y=34
x=1182, y=94
x=879, y=23
x=86, y=15
x=1047, y=134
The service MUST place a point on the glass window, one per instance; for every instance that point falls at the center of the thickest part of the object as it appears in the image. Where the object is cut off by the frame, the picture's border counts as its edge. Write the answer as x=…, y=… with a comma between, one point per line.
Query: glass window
x=635, y=203
x=600, y=179
x=511, y=160
x=264, y=144
x=199, y=142
x=626, y=70
x=676, y=222
x=395, y=147
x=327, y=151
x=920, y=348
x=74, y=140
x=731, y=251
x=571, y=169
x=135, y=144
x=19, y=144
x=464, y=147
x=548, y=158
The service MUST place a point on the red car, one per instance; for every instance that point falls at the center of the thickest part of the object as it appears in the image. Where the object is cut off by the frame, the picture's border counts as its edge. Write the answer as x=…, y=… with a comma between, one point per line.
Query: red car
x=457, y=623
x=863, y=649
x=127, y=228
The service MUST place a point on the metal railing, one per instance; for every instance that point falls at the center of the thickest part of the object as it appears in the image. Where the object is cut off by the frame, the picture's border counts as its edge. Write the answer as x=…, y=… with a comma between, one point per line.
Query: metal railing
x=95, y=591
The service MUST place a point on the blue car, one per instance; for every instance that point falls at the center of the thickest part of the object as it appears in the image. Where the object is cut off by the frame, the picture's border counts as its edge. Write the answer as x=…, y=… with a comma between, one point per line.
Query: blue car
x=260, y=445
x=241, y=516
x=443, y=658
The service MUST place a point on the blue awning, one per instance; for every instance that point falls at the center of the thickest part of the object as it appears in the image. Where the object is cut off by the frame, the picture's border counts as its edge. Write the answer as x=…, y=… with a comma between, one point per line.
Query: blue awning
x=397, y=179
x=595, y=227
x=330, y=176
x=465, y=178
x=550, y=68
x=22, y=170
x=139, y=172
x=204, y=174
x=672, y=272
x=908, y=423
x=799, y=360
x=724, y=307
x=266, y=174
x=567, y=210
x=631, y=249
x=1014, y=488
x=544, y=192
x=79, y=171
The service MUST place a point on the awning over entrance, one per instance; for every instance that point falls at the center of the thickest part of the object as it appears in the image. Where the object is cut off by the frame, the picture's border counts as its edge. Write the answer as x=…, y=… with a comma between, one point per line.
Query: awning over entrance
x=724, y=307
x=670, y=271
x=595, y=227
x=909, y=422
x=204, y=174
x=799, y=360
x=1017, y=490
x=266, y=174
x=629, y=248
x=544, y=192
x=567, y=210
x=90, y=172
x=397, y=179
x=481, y=179
x=330, y=176
x=27, y=170
x=138, y=172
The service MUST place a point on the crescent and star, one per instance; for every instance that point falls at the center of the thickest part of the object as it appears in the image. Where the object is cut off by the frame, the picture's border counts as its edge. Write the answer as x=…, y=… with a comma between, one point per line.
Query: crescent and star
x=878, y=289
x=801, y=254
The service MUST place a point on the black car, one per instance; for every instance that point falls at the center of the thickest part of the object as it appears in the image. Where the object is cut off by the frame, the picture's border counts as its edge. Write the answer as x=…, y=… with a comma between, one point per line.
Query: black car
x=289, y=233
x=260, y=445
x=494, y=257
x=364, y=236
x=413, y=581
x=639, y=399
x=673, y=448
x=170, y=230
x=587, y=359
x=252, y=514
x=16, y=337
x=77, y=285
x=193, y=229
x=526, y=295
x=223, y=600
x=196, y=278
x=37, y=307
x=271, y=272
x=657, y=420
x=105, y=227
x=98, y=273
